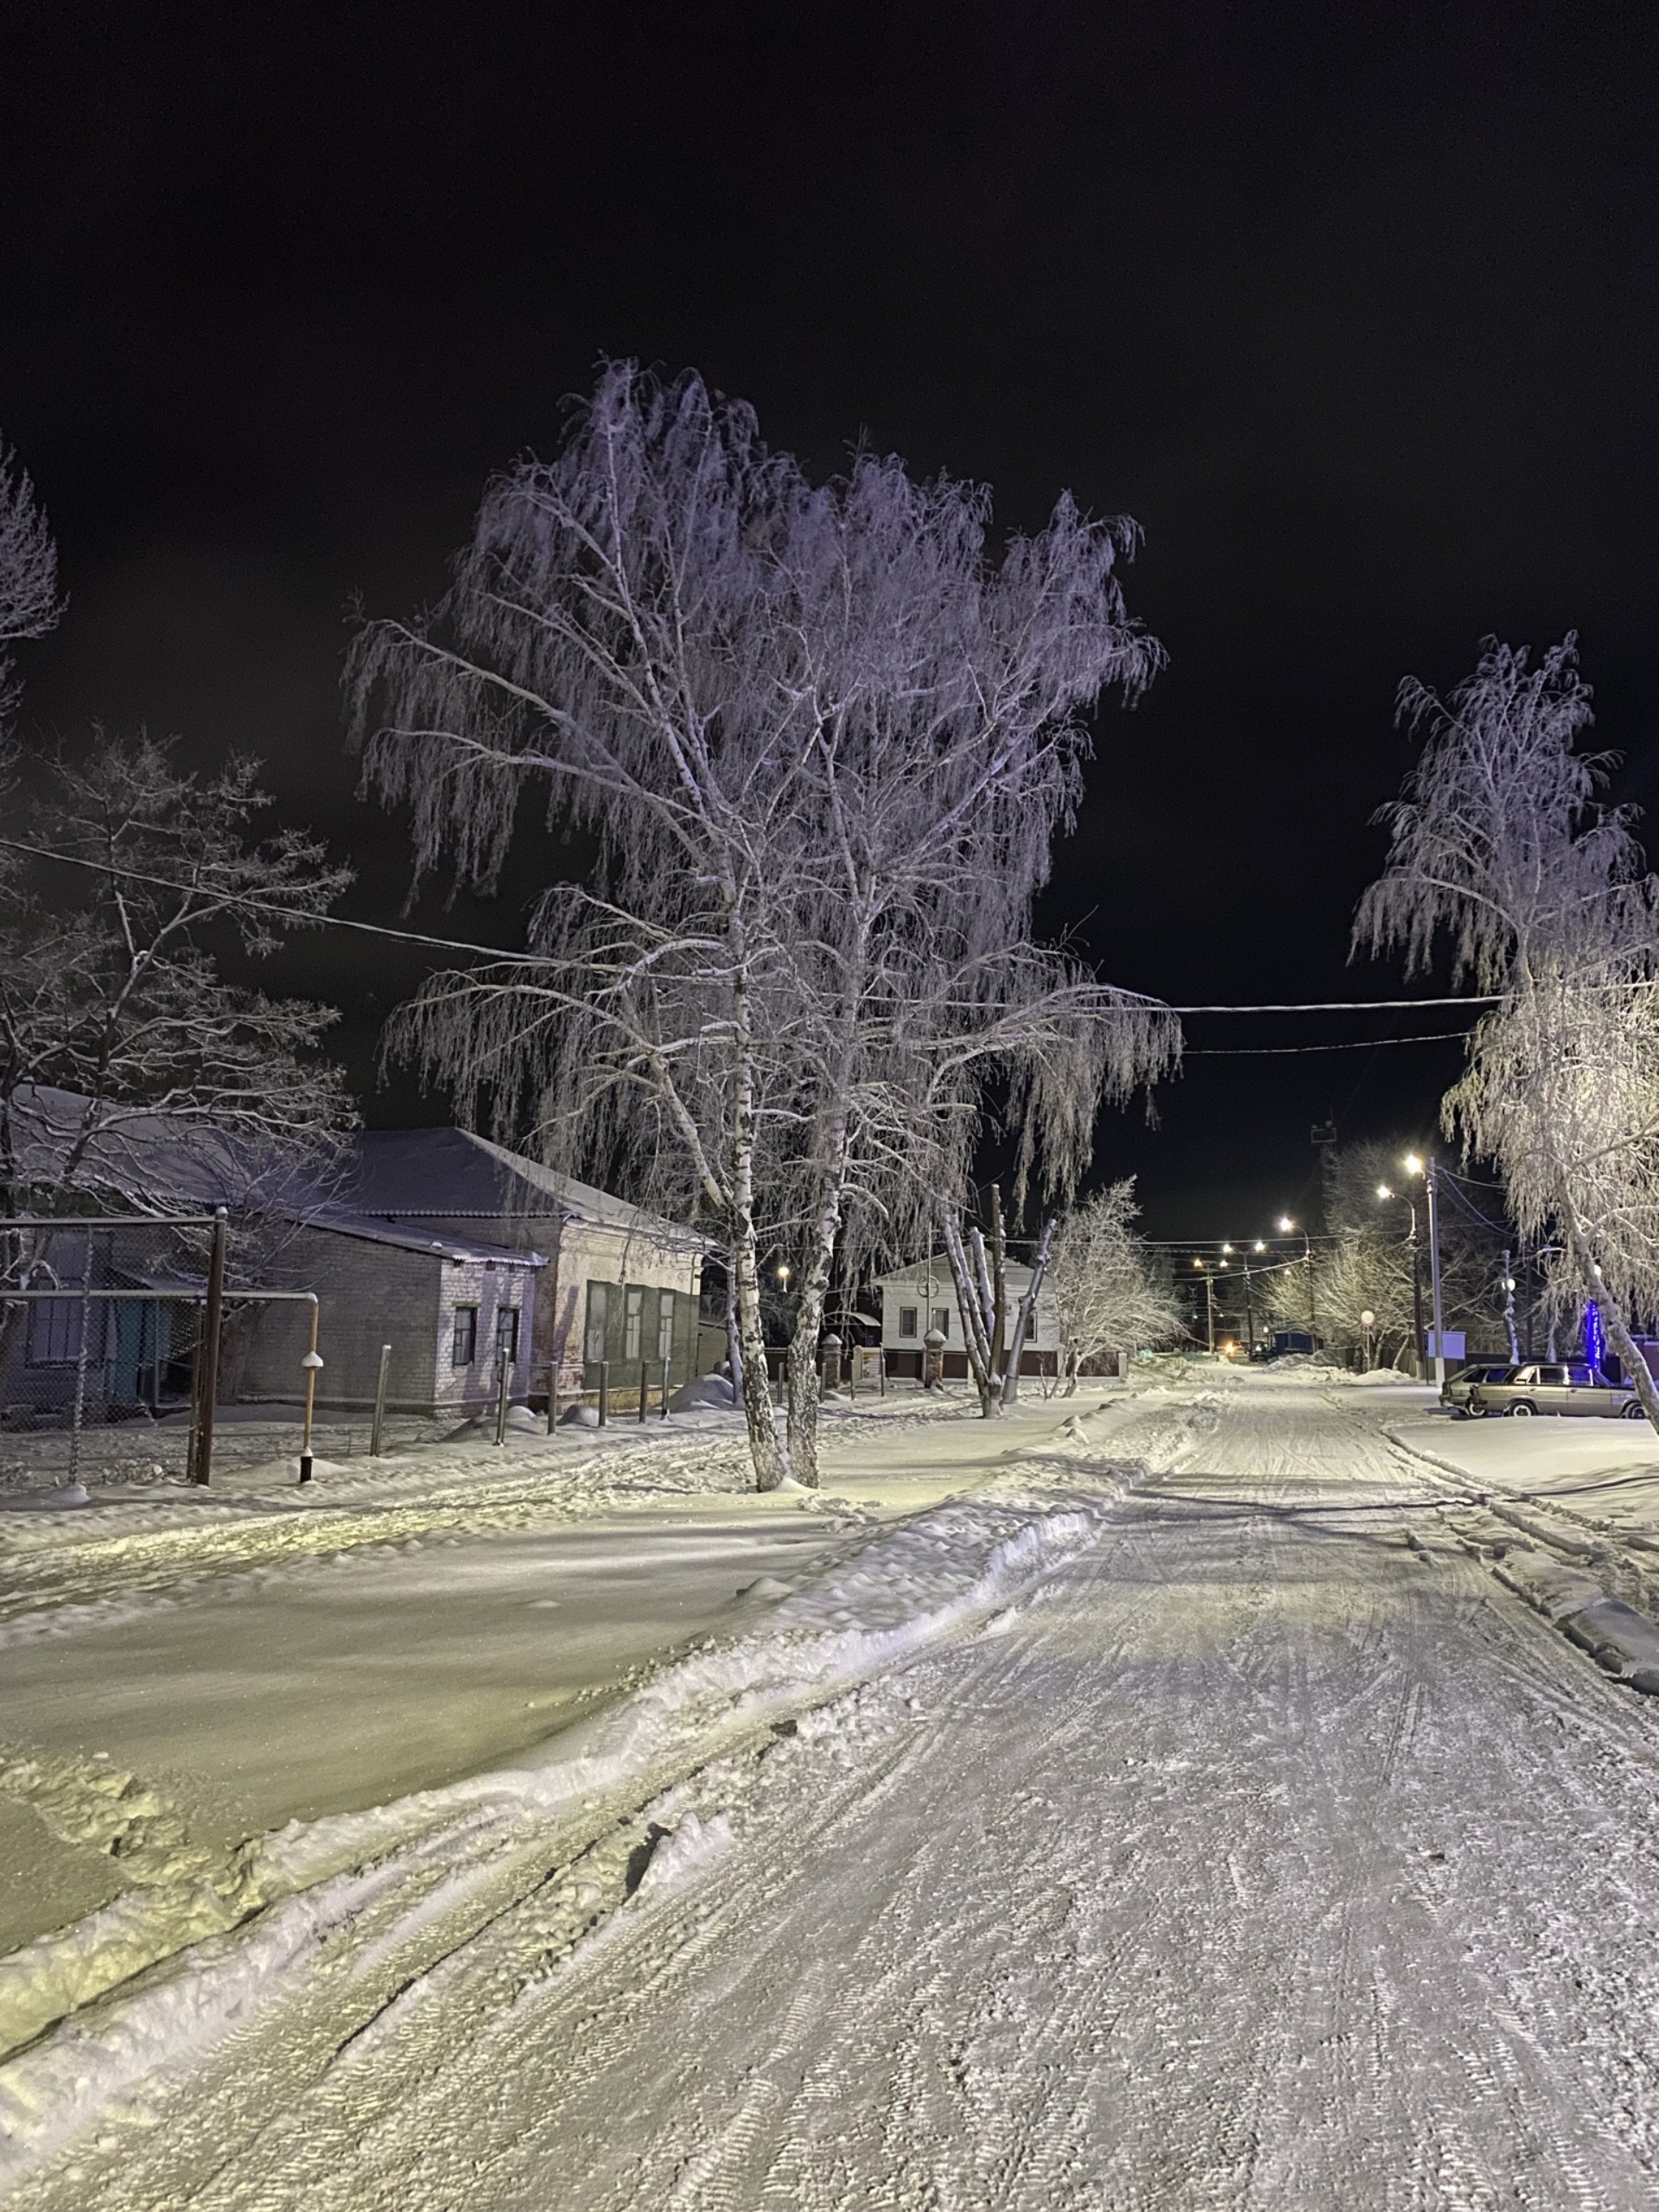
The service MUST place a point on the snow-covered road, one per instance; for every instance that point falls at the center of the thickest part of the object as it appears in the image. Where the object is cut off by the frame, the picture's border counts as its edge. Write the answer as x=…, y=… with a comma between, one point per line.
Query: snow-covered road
x=1234, y=1838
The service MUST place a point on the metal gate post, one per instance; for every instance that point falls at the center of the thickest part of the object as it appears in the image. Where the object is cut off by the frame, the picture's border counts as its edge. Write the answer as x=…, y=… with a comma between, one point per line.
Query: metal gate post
x=379, y=1422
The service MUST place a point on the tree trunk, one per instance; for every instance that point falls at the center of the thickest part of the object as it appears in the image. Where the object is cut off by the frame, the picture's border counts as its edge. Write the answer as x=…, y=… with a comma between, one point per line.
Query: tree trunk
x=771, y=1462
x=1636, y=1366
x=734, y=1335
x=1027, y=1308
x=998, y=1290
x=974, y=1336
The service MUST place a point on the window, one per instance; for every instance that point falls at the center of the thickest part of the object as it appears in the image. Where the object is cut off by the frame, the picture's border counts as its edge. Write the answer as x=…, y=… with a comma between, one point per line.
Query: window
x=598, y=1312
x=665, y=1325
x=906, y=1320
x=506, y=1332
x=464, y=1350
x=54, y=1332
x=942, y=1319
x=633, y=1322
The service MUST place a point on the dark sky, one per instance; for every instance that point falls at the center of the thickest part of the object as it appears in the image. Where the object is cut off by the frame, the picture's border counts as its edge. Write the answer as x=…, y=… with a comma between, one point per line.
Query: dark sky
x=1354, y=309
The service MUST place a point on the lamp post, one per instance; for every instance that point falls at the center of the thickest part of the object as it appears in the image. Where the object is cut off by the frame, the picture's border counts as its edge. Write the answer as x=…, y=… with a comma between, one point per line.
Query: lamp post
x=1401, y=1198
x=1427, y=1169
x=1287, y=1227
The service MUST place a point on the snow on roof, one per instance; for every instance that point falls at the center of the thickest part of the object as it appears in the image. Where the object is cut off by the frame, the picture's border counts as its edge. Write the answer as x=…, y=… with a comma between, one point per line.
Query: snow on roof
x=454, y=1173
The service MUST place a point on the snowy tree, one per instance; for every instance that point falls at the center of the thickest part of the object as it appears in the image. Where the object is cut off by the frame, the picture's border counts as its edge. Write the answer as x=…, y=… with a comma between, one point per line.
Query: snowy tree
x=1111, y=1295
x=821, y=743
x=29, y=604
x=1500, y=844
x=132, y=1072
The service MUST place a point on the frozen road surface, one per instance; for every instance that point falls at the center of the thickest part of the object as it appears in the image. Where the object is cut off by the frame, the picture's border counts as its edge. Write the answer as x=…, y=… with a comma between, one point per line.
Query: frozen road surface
x=1186, y=1818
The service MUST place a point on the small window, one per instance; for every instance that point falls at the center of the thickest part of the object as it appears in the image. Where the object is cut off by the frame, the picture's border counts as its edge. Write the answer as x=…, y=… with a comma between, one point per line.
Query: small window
x=464, y=1350
x=506, y=1332
x=599, y=1310
x=665, y=1325
x=634, y=1321
x=907, y=1320
x=942, y=1319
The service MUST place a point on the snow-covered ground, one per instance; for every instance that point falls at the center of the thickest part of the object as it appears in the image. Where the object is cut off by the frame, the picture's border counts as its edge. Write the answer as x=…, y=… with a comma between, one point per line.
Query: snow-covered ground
x=1165, y=1800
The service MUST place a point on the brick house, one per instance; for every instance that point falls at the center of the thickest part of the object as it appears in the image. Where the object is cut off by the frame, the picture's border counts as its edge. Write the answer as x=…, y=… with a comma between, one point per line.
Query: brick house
x=597, y=1278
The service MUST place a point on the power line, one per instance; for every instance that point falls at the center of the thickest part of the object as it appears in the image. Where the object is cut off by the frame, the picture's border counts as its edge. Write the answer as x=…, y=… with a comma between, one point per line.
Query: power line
x=254, y=904
x=1350, y=1045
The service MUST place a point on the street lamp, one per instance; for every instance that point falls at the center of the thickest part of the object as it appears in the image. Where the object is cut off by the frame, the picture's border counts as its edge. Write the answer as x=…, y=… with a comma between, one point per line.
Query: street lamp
x=1404, y=1198
x=1287, y=1227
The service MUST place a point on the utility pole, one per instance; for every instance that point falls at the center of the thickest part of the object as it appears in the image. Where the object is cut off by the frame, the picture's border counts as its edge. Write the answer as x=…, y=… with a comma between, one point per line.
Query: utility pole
x=1210, y=1308
x=212, y=1324
x=1435, y=1272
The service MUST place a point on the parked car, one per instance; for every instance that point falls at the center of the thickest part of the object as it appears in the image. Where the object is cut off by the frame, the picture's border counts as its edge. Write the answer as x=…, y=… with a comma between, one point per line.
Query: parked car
x=1547, y=1389
x=1457, y=1389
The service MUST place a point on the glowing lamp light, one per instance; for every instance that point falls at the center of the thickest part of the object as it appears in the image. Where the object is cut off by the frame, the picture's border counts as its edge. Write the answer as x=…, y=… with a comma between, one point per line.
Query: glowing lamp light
x=1413, y=1166
x=1383, y=1192
x=1286, y=1224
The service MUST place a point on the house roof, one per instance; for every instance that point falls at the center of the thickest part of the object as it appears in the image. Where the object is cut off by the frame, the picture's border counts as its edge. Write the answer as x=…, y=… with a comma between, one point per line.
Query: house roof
x=418, y=1236
x=453, y=1174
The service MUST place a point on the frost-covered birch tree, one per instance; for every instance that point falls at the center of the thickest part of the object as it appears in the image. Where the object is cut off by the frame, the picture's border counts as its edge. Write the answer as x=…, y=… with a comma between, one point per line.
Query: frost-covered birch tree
x=820, y=741
x=1108, y=1291
x=1500, y=846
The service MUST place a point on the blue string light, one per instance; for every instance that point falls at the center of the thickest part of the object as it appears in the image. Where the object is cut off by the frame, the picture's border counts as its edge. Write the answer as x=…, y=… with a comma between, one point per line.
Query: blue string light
x=1595, y=1337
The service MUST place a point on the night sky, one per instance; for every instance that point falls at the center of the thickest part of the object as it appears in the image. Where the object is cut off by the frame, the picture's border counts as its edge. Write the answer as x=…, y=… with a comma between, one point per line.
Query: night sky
x=1353, y=309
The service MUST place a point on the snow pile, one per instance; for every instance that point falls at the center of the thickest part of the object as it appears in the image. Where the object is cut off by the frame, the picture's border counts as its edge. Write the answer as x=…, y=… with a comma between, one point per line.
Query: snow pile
x=686, y=1849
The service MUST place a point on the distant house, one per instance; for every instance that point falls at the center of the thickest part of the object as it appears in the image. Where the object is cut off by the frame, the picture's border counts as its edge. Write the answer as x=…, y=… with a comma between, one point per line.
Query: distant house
x=923, y=1296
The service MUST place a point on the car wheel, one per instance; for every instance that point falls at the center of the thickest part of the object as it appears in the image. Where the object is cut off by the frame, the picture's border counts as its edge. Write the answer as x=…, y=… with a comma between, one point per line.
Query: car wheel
x=1523, y=1412
x=1632, y=1412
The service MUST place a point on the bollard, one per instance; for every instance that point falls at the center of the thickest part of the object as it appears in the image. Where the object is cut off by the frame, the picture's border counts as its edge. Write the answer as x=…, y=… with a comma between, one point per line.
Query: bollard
x=503, y=1377
x=644, y=1387
x=379, y=1420
x=665, y=1368
x=604, y=1392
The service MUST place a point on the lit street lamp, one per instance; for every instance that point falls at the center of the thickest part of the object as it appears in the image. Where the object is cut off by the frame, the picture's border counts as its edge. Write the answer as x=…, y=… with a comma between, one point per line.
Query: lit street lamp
x=1427, y=1170
x=1287, y=1227
x=1401, y=1198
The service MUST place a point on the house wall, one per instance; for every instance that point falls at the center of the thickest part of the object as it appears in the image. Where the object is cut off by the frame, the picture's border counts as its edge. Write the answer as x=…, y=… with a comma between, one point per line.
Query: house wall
x=373, y=1294
x=928, y=1287
x=592, y=1252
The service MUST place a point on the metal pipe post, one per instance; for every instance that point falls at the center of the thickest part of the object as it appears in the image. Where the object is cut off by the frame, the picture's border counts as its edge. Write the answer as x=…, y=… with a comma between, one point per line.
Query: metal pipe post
x=604, y=1393
x=212, y=1324
x=503, y=1383
x=379, y=1422
x=312, y=1364
x=665, y=1368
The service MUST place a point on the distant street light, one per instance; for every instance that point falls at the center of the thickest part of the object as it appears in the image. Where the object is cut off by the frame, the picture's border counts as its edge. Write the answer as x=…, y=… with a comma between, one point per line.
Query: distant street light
x=1287, y=1227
